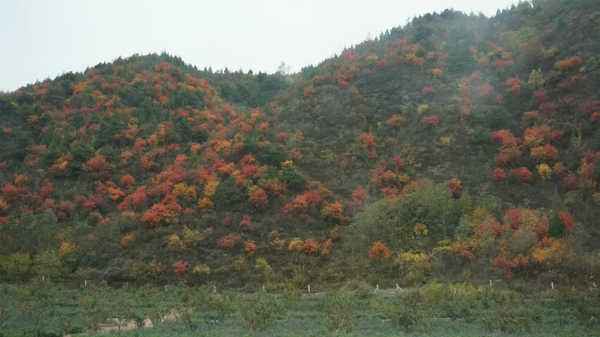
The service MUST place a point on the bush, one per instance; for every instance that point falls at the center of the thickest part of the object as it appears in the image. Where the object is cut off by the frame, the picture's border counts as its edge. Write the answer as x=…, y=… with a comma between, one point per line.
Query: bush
x=95, y=308
x=394, y=220
x=189, y=304
x=157, y=303
x=339, y=312
x=509, y=318
x=15, y=267
x=465, y=301
x=407, y=311
x=358, y=288
x=218, y=308
x=38, y=310
x=261, y=310
x=585, y=307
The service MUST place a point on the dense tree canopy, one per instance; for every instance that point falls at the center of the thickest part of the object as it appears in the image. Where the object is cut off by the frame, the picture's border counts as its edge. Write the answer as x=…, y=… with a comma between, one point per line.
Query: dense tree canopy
x=457, y=138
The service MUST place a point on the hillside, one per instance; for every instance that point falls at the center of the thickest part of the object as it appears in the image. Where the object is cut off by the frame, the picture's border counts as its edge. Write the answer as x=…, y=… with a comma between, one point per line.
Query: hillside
x=457, y=146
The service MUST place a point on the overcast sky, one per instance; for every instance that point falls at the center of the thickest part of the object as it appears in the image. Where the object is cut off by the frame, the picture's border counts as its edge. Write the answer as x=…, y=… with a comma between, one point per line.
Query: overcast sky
x=45, y=38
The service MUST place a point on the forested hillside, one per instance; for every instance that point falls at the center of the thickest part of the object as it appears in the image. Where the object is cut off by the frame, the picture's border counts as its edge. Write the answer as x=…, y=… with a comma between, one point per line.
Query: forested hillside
x=457, y=146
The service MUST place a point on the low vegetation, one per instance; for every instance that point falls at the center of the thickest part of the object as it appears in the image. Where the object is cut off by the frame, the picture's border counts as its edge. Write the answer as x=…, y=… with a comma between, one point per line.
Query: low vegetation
x=432, y=310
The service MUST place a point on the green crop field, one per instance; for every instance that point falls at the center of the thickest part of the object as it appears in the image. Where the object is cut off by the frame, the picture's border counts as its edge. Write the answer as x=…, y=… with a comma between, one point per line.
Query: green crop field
x=354, y=310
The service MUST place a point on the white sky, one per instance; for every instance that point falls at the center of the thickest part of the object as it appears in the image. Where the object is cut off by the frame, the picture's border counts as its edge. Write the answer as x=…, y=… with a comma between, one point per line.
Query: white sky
x=45, y=38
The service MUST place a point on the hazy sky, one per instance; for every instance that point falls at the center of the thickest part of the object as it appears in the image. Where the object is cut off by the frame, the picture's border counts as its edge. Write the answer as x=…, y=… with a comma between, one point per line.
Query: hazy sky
x=45, y=38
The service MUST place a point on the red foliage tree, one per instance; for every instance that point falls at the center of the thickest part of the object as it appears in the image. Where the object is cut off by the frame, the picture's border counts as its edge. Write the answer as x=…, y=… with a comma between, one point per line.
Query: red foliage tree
x=359, y=196
x=135, y=199
x=246, y=223
x=486, y=90
x=570, y=182
x=97, y=163
x=228, y=241
x=181, y=267
x=523, y=174
x=249, y=247
x=513, y=218
x=567, y=219
x=398, y=162
x=513, y=84
x=301, y=203
x=427, y=90
x=499, y=174
x=367, y=141
x=311, y=247
x=431, y=120
x=46, y=189
x=10, y=191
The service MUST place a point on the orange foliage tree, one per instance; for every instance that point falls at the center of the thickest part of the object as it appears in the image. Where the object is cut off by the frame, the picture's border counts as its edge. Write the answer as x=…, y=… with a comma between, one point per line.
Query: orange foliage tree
x=379, y=251
x=258, y=196
x=165, y=211
x=456, y=187
x=333, y=210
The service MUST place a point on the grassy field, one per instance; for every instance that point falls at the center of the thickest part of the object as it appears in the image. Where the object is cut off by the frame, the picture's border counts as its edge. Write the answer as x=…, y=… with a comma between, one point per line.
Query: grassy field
x=433, y=310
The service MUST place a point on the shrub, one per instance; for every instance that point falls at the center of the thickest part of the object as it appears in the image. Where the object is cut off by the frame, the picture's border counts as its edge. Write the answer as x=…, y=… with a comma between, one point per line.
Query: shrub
x=16, y=266
x=509, y=319
x=358, y=288
x=394, y=220
x=260, y=311
x=459, y=301
x=415, y=265
x=406, y=311
x=585, y=307
x=339, y=312
x=218, y=307
x=190, y=302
